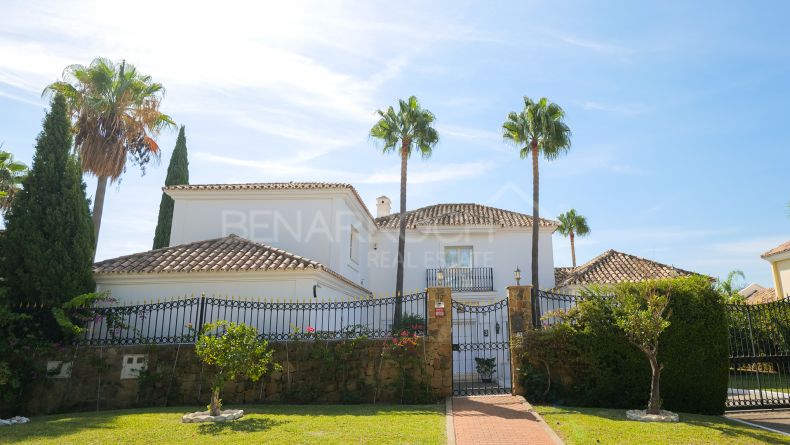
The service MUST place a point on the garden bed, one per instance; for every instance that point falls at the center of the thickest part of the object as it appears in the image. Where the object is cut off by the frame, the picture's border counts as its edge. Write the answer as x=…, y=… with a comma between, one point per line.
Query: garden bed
x=291, y=424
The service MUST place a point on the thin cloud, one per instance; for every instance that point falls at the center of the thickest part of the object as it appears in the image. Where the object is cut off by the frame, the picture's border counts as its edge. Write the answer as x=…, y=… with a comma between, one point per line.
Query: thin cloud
x=629, y=110
x=288, y=169
x=426, y=175
x=591, y=160
x=21, y=99
x=593, y=45
x=469, y=133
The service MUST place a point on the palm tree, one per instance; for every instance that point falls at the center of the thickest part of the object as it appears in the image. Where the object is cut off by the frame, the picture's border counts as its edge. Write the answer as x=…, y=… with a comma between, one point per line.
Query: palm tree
x=116, y=116
x=538, y=129
x=407, y=129
x=728, y=287
x=12, y=173
x=572, y=224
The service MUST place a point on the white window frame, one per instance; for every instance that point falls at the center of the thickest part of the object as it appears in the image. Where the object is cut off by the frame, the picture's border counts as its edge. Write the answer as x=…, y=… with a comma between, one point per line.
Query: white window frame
x=353, y=245
x=459, y=248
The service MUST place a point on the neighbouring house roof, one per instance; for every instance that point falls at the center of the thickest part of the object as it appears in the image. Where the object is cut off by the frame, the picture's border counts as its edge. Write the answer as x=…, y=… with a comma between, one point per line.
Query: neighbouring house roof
x=274, y=186
x=228, y=254
x=784, y=247
x=561, y=273
x=612, y=267
x=764, y=295
x=459, y=215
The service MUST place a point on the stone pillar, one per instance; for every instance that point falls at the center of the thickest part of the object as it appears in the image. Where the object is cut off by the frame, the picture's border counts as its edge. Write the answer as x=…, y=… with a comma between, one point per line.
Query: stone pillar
x=439, y=348
x=519, y=303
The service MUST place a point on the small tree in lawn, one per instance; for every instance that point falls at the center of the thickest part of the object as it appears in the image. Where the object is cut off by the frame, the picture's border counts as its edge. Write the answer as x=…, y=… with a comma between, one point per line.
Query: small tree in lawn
x=234, y=351
x=643, y=316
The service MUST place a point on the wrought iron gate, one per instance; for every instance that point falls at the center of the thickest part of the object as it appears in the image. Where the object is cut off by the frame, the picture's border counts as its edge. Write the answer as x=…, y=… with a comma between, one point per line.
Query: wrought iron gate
x=759, y=355
x=481, y=348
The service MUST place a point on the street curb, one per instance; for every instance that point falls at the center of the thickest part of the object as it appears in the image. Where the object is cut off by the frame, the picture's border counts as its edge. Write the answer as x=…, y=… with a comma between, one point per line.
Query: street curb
x=557, y=440
x=448, y=420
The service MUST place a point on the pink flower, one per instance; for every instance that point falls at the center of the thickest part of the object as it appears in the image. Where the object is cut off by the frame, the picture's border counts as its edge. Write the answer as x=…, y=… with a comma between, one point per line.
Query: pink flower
x=310, y=329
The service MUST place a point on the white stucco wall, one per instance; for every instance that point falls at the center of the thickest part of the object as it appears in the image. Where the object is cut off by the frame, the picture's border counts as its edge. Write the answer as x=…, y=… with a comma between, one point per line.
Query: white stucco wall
x=314, y=224
x=783, y=269
x=500, y=249
x=131, y=289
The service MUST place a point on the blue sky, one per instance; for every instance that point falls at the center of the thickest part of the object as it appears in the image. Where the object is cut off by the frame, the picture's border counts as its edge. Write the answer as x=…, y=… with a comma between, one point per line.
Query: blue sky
x=679, y=111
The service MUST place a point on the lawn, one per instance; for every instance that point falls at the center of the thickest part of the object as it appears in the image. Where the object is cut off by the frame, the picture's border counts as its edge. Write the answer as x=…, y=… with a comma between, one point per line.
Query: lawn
x=603, y=426
x=285, y=424
x=768, y=380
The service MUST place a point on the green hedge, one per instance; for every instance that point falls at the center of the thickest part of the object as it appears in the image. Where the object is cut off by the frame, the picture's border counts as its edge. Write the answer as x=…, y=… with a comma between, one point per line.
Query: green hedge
x=591, y=364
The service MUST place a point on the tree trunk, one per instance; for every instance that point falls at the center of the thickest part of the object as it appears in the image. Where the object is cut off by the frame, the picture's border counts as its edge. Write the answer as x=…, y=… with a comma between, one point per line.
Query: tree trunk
x=654, y=405
x=573, y=251
x=98, y=209
x=535, y=228
x=215, y=404
x=404, y=157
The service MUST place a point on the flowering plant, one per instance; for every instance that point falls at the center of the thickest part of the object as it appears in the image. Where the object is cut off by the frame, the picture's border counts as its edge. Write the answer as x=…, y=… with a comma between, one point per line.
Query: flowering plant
x=403, y=342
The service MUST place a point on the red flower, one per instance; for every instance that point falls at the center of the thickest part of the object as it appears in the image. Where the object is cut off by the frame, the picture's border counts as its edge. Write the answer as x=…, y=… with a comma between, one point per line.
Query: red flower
x=310, y=329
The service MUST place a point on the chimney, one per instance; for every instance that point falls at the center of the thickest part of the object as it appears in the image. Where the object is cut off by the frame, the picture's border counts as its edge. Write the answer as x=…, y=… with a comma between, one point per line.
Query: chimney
x=383, y=206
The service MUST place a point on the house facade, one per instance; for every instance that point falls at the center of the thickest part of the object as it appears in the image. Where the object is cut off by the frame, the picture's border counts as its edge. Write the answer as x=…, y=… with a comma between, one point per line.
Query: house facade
x=779, y=258
x=319, y=240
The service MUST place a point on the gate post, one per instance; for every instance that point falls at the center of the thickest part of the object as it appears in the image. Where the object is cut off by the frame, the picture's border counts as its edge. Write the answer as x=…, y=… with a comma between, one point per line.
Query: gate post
x=519, y=303
x=439, y=341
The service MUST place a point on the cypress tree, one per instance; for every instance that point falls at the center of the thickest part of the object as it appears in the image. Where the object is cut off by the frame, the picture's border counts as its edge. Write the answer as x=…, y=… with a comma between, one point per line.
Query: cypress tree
x=48, y=244
x=177, y=174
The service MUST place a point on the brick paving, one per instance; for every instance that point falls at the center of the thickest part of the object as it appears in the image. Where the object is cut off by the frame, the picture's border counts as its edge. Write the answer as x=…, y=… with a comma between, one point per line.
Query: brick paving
x=501, y=420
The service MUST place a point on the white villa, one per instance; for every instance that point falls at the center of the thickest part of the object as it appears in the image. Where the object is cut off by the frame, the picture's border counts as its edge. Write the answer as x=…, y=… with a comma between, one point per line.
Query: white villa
x=311, y=239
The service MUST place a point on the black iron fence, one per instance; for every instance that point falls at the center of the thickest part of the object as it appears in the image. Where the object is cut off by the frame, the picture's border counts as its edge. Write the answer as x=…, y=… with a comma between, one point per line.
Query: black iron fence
x=545, y=304
x=759, y=355
x=182, y=320
x=462, y=279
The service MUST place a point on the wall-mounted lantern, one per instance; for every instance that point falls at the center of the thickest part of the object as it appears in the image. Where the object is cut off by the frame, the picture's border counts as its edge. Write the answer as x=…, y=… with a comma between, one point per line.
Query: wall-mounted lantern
x=440, y=277
x=517, y=274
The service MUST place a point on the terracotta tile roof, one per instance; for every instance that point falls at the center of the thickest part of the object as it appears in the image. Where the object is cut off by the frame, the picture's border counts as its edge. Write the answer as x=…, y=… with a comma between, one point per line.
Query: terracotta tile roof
x=784, y=247
x=231, y=253
x=461, y=214
x=613, y=267
x=765, y=295
x=275, y=186
x=561, y=273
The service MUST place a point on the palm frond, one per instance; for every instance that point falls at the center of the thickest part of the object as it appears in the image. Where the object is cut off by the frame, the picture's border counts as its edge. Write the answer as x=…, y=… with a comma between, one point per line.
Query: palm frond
x=572, y=222
x=541, y=123
x=116, y=115
x=410, y=125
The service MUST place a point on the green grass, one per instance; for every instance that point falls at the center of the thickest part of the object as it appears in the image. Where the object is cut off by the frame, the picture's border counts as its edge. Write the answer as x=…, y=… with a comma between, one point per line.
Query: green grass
x=769, y=381
x=281, y=424
x=604, y=426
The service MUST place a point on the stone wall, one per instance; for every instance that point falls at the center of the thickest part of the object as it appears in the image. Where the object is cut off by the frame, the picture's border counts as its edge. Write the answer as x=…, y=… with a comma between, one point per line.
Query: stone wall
x=313, y=371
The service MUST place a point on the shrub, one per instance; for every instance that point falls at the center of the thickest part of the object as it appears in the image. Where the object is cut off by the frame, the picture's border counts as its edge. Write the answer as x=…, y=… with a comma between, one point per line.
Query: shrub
x=234, y=351
x=586, y=360
x=48, y=245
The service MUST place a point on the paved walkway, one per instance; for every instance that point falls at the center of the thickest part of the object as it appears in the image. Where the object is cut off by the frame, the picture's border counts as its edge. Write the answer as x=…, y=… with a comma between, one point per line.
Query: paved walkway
x=500, y=420
x=778, y=421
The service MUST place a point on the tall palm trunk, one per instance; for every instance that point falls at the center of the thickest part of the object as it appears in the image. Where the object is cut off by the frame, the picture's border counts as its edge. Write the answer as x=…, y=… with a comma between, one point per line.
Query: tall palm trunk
x=404, y=157
x=98, y=209
x=535, y=229
x=573, y=251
